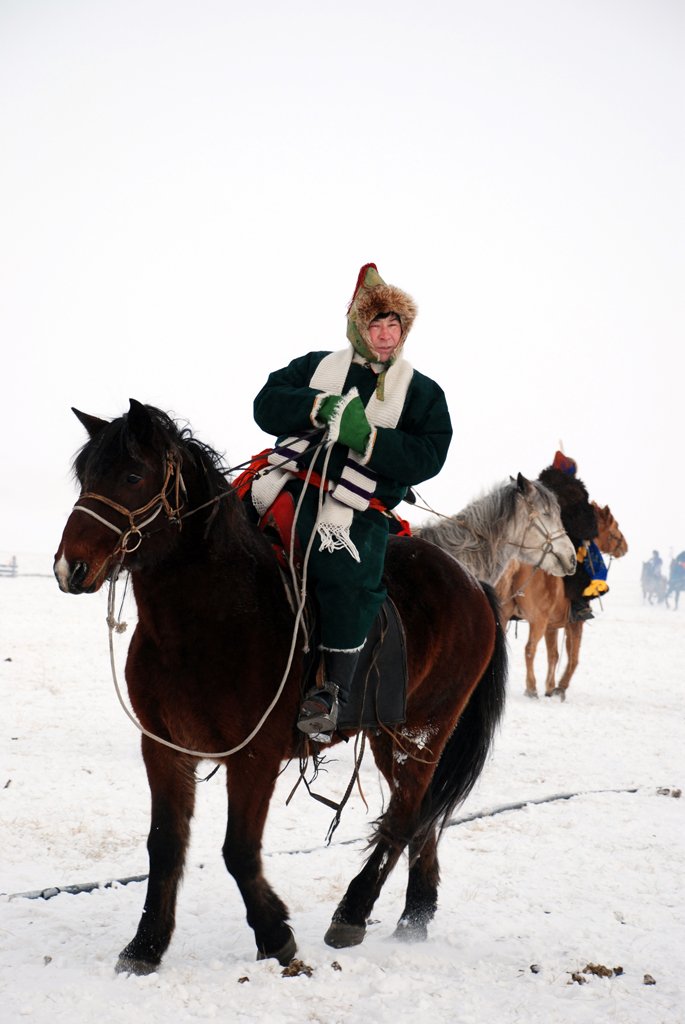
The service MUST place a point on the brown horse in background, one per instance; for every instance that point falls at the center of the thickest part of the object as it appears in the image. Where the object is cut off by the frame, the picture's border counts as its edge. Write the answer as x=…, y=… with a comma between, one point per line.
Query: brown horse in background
x=540, y=599
x=214, y=672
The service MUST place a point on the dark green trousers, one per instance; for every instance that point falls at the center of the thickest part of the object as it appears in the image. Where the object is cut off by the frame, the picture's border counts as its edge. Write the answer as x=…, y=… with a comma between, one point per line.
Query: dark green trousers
x=349, y=594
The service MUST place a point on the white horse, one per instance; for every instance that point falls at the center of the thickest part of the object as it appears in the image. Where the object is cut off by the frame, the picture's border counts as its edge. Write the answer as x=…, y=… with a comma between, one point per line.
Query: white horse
x=518, y=520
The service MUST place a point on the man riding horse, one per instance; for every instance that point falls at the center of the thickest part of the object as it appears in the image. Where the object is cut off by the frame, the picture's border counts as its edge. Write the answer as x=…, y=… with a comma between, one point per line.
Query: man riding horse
x=384, y=427
x=589, y=580
x=654, y=564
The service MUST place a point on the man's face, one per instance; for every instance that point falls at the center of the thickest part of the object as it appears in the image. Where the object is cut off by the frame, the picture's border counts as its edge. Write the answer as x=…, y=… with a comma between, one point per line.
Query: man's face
x=385, y=333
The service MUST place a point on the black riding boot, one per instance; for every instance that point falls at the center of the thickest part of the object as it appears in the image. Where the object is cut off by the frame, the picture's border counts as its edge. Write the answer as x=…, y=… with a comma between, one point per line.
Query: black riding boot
x=580, y=610
x=319, y=712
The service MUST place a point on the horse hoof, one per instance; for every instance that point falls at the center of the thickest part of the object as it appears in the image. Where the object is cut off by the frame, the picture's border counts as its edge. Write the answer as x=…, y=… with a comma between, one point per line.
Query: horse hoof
x=340, y=935
x=558, y=692
x=410, y=931
x=131, y=965
x=284, y=955
x=532, y=694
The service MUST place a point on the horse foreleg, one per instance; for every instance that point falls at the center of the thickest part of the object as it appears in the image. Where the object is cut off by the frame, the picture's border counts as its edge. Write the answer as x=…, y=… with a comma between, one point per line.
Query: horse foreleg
x=574, y=635
x=552, y=645
x=172, y=787
x=535, y=631
x=249, y=792
x=422, y=890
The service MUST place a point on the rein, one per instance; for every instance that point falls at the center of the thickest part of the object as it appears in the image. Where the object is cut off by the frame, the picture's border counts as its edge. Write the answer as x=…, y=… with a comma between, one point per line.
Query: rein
x=160, y=502
x=119, y=627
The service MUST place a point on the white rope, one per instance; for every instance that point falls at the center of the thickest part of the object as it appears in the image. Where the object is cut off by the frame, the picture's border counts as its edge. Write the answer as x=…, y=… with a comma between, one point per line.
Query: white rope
x=119, y=627
x=100, y=519
x=105, y=522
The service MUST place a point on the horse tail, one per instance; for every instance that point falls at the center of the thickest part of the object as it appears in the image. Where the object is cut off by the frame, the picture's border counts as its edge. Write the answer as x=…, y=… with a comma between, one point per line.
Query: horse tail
x=467, y=749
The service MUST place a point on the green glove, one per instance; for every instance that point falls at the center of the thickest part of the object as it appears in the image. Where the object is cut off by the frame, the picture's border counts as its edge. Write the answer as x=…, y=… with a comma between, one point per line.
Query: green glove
x=327, y=407
x=355, y=429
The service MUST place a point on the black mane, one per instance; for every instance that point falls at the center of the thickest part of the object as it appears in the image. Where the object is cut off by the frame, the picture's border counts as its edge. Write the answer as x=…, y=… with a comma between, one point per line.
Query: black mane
x=116, y=441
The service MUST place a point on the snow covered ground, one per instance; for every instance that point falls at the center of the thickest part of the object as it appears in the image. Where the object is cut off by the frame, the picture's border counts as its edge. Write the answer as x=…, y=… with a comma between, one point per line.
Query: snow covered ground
x=530, y=897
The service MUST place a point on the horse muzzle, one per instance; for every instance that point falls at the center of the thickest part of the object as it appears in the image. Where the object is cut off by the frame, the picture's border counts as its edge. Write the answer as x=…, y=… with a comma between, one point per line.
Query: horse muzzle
x=76, y=578
x=560, y=559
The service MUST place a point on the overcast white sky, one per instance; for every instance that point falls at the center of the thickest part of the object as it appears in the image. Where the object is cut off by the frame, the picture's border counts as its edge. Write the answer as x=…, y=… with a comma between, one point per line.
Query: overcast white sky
x=189, y=189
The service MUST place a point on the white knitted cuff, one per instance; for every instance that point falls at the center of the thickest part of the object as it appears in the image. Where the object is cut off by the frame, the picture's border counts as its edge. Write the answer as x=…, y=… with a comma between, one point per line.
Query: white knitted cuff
x=368, y=451
x=334, y=421
x=314, y=414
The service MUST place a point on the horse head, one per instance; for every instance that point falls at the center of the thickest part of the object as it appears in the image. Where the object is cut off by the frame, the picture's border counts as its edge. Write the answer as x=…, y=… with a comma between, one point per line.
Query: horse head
x=536, y=535
x=133, y=492
x=519, y=520
x=610, y=540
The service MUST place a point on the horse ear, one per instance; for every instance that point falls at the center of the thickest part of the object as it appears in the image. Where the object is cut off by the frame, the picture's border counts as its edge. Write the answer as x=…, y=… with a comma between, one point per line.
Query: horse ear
x=139, y=421
x=522, y=483
x=93, y=424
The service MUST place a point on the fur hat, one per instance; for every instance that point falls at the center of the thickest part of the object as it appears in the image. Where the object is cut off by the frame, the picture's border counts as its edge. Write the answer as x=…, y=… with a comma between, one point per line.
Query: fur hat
x=565, y=463
x=577, y=514
x=371, y=297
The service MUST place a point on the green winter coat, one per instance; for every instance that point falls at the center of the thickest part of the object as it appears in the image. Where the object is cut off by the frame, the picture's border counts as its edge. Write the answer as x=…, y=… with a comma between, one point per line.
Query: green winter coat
x=407, y=455
x=349, y=594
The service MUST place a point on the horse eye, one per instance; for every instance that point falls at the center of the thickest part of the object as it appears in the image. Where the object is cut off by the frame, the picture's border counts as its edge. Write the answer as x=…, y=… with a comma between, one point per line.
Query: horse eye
x=133, y=478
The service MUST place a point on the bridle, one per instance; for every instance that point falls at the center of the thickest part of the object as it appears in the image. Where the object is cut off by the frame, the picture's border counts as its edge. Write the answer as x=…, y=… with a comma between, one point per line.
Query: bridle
x=535, y=522
x=170, y=499
x=614, y=543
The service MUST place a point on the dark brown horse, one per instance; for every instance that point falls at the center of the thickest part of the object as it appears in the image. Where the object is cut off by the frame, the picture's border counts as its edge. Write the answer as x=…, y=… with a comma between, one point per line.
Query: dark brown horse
x=209, y=654
x=540, y=599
